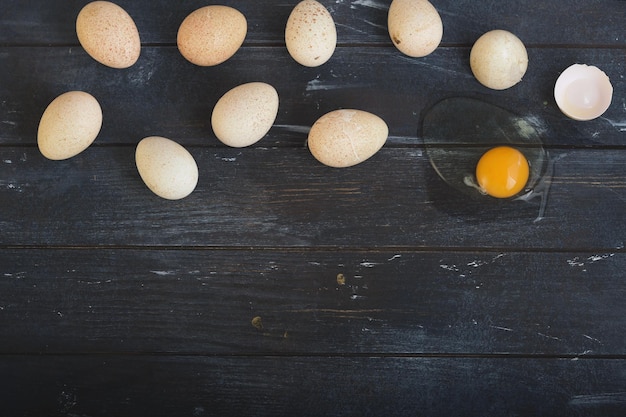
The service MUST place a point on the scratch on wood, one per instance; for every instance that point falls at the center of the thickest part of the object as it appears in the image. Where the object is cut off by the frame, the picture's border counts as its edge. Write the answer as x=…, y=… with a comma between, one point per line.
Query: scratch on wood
x=578, y=262
x=619, y=125
x=506, y=329
x=376, y=25
x=548, y=336
x=337, y=311
x=592, y=339
x=163, y=273
x=369, y=3
x=594, y=400
x=294, y=128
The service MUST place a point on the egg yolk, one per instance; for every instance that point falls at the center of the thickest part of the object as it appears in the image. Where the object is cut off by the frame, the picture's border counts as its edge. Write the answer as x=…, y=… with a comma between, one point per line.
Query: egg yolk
x=502, y=172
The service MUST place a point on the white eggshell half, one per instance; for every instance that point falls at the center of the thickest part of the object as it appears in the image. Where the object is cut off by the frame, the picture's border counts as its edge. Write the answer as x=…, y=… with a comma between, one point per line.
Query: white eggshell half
x=108, y=34
x=245, y=114
x=310, y=34
x=166, y=167
x=498, y=59
x=346, y=137
x=415, y=27
x=583, y=92
x=70, y=123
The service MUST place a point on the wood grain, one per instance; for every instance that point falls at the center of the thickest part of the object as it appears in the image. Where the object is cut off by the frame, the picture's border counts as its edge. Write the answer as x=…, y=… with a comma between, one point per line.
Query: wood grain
x=322, y=301
x=164, y=94
x=312, y=386
x=284, y=287
x=579, y=22
x=98, y=198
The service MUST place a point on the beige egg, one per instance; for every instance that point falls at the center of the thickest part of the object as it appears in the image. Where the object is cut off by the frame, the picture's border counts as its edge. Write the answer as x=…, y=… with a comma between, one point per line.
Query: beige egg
x=108, y=34
x=498, y=59
x=346, y=137
x=310, y=34
x=70, y=123
x=212, y=34
x=166, y=167
x=415, y=27
x=245, y=114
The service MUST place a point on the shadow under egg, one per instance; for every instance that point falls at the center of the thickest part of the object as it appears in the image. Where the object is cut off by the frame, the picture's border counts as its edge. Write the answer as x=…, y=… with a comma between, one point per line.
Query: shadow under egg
x=456, y=133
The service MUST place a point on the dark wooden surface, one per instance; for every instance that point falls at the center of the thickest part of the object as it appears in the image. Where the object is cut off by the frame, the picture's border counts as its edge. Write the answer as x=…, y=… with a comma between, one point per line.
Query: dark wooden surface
x=283, y=287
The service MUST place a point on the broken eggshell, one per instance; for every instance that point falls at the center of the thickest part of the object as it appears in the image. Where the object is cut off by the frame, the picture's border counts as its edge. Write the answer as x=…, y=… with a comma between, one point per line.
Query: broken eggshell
x=583, y=92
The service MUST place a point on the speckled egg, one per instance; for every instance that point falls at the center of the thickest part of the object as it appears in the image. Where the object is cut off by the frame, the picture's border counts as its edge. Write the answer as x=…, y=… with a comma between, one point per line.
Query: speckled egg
x=415, y=27
x=498, y=59
x=166, y=167
x=310, y=34
x=245, y=114
x=211, y=35
x=347, y=137
x=70, y=123
x=108, y=34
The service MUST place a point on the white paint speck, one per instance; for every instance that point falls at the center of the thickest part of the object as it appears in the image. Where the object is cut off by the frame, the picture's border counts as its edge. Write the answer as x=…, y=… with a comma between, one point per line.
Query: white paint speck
x=595, y=258
x=163, y=273
x=575, y=262
x=453, y=268
x=476, y=263
x=578, y=262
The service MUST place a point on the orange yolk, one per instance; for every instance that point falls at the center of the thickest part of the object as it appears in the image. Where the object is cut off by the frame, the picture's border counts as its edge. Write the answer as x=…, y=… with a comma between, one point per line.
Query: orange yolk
x=502, y=172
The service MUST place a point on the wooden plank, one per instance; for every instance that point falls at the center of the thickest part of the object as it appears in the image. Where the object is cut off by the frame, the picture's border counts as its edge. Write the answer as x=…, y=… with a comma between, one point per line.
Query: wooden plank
x=312, y=301
x=285, y=198
x=283, y=287
x=312, y=386
x=358, y=21
x=165, y=95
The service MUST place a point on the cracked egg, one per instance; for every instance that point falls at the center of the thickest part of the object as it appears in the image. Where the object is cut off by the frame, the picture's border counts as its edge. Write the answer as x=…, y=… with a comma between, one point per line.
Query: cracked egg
x=583, y=92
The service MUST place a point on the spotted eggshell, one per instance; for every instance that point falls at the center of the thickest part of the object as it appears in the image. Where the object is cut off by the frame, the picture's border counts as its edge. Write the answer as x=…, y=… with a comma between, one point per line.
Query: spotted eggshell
x=245, y=114
x=414, y=26
x=346, y=137
x=69, y=125
x=166, y=167
x=498, y=59
x=212, y=34
x=310, y=34
x=108, y=34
